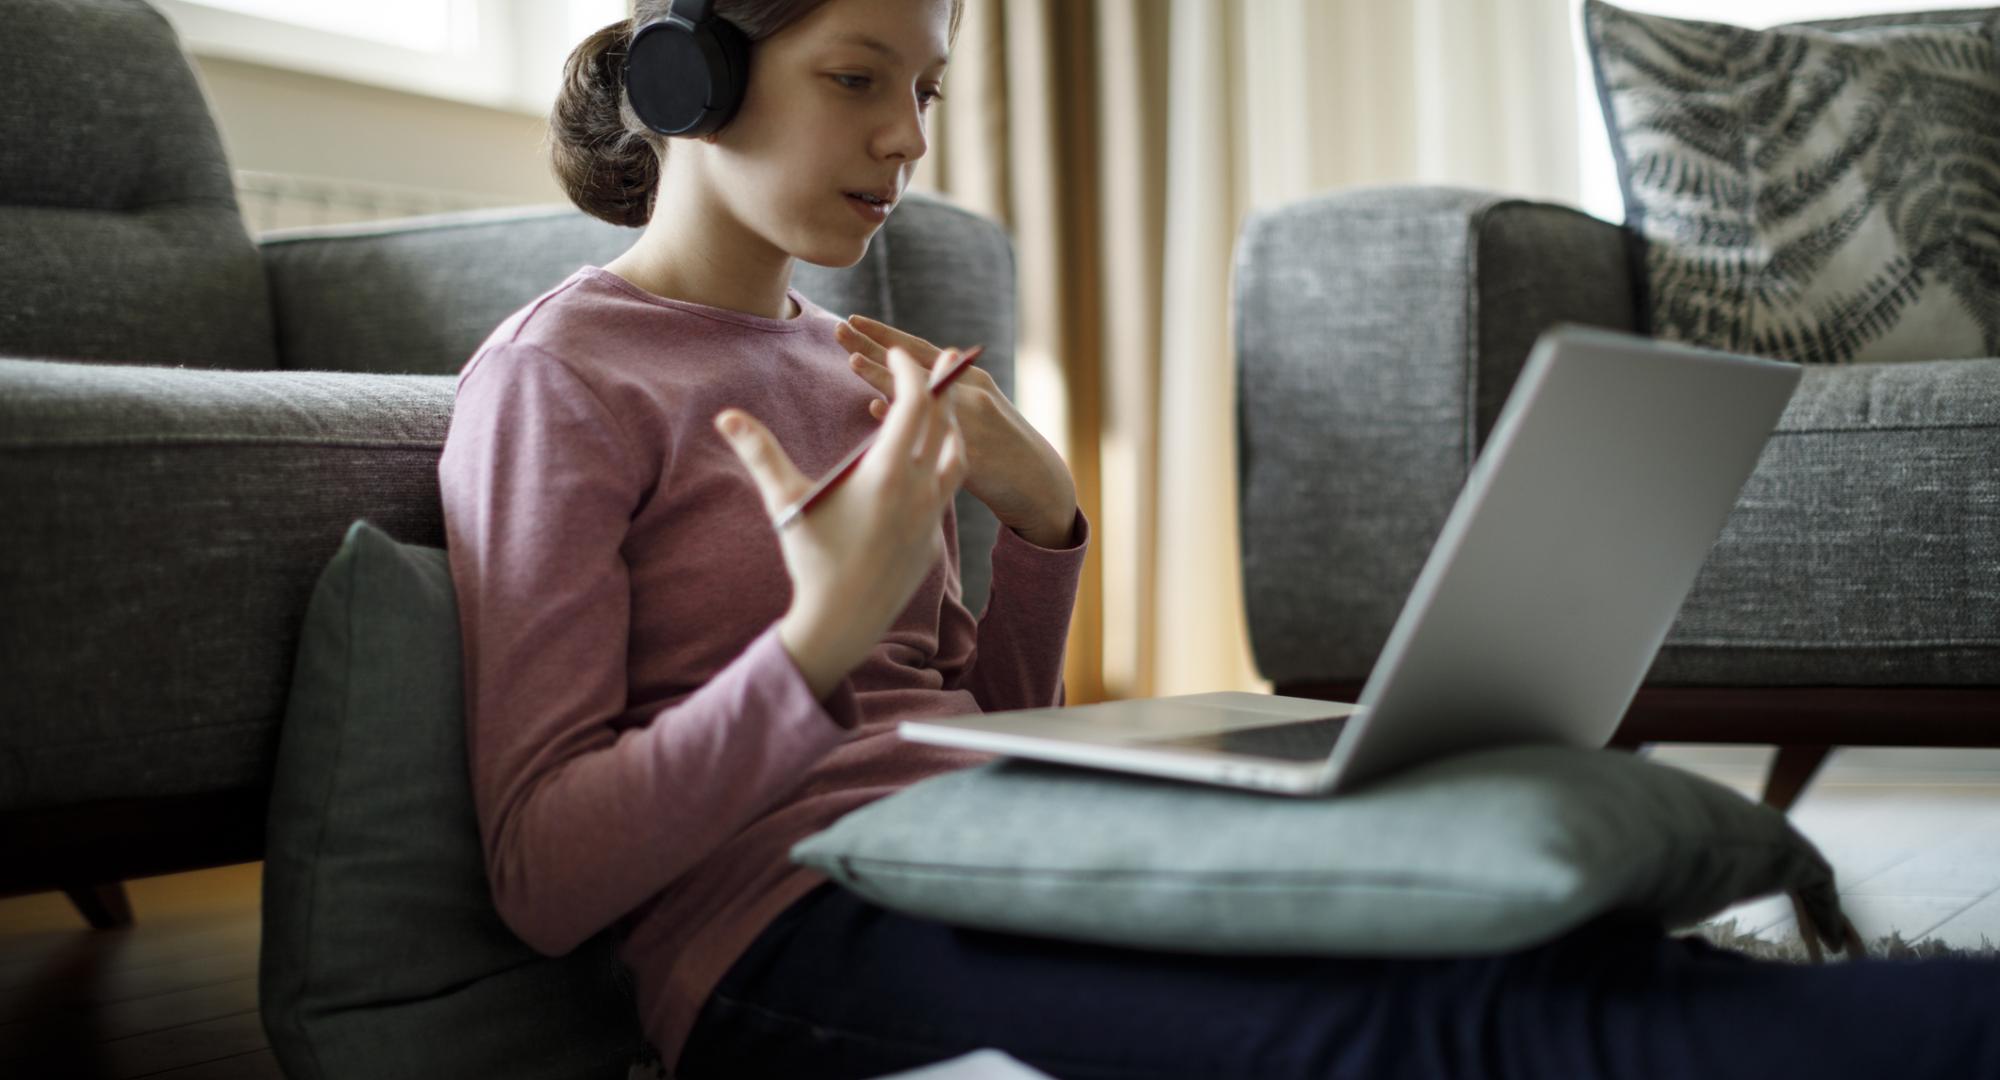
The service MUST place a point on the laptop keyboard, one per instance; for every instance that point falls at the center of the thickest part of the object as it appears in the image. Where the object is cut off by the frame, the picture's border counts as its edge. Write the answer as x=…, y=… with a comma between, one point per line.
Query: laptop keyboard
x=1306, y=740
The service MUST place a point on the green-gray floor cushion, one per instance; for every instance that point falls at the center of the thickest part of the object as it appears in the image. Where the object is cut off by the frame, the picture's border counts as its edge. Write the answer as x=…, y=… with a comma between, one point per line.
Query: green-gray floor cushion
x=1481, y=853
x=383, y=955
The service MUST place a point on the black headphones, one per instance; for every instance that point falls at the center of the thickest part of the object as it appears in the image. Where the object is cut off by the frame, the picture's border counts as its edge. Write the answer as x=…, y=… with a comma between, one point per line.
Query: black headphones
x=685, y=73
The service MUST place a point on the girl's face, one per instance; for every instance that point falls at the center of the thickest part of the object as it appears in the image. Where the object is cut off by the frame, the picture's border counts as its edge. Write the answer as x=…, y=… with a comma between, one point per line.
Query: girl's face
x=837, y=103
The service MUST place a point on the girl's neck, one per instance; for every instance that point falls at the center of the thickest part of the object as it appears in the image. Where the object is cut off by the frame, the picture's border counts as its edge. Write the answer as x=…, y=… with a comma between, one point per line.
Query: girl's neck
x=677, y=259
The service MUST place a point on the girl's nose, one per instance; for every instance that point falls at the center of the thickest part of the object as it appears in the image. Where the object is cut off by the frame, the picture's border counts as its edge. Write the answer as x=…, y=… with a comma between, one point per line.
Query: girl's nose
x=905, y=137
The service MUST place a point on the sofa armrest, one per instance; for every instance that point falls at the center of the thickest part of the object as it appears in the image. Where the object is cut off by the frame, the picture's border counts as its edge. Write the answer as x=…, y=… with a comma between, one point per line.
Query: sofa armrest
x=1378, y=332
x=165, y=527
x=418, y=295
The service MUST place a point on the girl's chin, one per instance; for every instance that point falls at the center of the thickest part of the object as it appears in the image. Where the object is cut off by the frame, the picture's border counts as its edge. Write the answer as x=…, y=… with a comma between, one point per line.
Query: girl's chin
x=836, y=254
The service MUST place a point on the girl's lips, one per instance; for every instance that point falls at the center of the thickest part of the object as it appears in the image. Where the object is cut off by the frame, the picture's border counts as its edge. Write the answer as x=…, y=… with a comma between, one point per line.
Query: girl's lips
x=870, y=212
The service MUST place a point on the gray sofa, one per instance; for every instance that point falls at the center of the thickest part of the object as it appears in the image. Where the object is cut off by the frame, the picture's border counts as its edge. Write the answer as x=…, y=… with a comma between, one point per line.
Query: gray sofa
x=190, y=419
x=1853, y=598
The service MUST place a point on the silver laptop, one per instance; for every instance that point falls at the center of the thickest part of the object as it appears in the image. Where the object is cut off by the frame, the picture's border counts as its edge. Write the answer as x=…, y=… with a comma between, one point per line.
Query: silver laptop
x=1607, y=478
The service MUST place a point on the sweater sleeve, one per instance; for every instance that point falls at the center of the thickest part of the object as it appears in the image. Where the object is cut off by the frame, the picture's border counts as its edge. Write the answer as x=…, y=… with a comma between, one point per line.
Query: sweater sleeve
x=1013, y=657
x=581, y=822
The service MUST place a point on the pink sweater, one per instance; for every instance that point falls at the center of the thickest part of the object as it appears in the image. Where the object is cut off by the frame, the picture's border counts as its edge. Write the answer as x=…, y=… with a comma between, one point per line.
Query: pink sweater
x=644, y=751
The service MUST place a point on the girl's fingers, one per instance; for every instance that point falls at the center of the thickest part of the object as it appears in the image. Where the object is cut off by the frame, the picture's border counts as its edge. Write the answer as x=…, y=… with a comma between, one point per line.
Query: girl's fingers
x=875, y=373
x=934, y=433
x=951, y=465
x=881, y=330
x=909, y=413
x=876, y=338
x=852, y=337
x=778, y=480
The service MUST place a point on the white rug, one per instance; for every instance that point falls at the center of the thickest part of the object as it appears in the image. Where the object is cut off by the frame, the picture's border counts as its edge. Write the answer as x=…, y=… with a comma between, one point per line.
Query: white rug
x=1726, y=934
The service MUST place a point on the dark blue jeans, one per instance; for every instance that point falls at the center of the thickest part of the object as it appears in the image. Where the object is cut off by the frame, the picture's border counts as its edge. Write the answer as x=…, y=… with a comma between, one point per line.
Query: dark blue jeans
x=839, y=987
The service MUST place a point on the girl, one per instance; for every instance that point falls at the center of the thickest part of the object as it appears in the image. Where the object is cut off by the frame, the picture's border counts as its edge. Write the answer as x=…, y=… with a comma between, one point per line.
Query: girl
x=664, y=692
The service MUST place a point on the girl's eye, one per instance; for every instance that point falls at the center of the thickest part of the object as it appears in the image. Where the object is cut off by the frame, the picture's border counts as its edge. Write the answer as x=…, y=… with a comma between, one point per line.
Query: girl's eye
x=860, y=82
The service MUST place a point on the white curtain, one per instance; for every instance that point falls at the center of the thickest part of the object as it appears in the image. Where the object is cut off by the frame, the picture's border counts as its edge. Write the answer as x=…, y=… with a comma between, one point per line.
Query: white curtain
x=1122, y=142
x=1275, y=101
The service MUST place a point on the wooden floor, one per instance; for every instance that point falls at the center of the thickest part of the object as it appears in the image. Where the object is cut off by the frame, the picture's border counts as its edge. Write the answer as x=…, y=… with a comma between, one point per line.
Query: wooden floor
x=173, y=996
x=1915, y=837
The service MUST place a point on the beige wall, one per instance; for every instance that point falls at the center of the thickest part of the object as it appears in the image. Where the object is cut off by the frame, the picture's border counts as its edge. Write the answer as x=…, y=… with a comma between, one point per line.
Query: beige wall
x=373, y=141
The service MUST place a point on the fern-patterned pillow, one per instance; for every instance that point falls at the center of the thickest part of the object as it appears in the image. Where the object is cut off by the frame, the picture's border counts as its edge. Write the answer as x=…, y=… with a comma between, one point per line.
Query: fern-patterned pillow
x=1822, y=194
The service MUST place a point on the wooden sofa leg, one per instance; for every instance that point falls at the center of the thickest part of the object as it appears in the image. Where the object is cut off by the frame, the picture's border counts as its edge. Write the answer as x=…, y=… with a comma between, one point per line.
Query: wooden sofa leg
x=1791, y=771
x=104, y=907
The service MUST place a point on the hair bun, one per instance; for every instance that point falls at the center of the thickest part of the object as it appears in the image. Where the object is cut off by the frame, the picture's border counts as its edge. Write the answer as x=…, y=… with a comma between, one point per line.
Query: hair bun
x=606, y=161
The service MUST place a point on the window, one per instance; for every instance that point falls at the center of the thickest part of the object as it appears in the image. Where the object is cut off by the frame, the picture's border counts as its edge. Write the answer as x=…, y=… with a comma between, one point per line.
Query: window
x=506, y=54
x=423, y=25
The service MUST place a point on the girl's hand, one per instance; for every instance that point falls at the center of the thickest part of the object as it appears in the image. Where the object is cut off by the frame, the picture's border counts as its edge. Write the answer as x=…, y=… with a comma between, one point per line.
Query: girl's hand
x=858, y=556
x=1009, y=466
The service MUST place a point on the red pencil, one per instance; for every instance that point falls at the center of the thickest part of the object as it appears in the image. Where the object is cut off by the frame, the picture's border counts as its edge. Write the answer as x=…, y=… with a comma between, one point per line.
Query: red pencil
x=939, y=382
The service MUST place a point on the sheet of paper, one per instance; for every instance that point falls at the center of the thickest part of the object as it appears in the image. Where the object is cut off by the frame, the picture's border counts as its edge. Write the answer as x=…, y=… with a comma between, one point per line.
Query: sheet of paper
x=988, y=1064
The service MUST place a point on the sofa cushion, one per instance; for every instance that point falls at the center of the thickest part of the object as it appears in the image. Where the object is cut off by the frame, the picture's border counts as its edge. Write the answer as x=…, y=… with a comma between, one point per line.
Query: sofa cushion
x=1814, y=194
x=419, y=295
x=1480, y=853
x=1865, y=547
x=383, y=955
x=118, y=213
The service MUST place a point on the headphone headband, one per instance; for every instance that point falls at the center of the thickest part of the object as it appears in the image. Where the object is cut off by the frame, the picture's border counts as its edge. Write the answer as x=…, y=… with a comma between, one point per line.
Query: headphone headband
x=696, y=11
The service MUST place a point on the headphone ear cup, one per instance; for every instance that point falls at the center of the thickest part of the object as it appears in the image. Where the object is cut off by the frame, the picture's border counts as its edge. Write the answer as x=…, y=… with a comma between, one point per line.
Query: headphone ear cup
x=734, y=48
x=684, y=81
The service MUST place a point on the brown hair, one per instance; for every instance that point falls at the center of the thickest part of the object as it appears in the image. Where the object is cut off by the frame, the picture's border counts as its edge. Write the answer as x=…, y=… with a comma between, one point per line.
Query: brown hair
x=606, y=159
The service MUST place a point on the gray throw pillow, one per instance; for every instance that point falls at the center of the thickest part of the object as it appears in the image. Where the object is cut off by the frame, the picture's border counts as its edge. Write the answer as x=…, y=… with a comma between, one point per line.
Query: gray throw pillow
x=1822, y=195
x=383, y=955
x=1480, y=853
